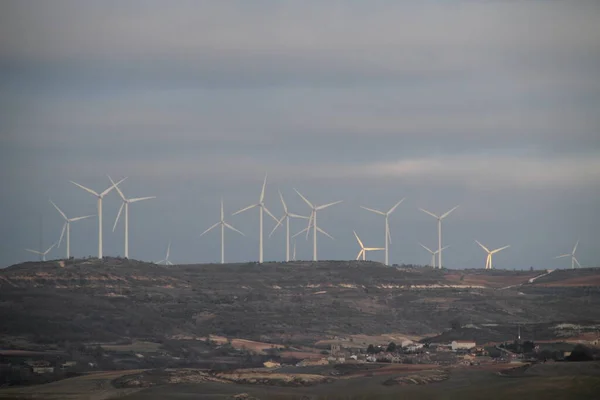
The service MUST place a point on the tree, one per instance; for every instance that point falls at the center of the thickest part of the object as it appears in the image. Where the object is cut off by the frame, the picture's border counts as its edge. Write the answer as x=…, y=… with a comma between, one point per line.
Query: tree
x=391, y=347
x=371, y=349
x=455, y=324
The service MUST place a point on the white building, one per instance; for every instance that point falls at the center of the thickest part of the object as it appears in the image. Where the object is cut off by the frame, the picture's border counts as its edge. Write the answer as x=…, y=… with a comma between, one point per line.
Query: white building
x=462, y=344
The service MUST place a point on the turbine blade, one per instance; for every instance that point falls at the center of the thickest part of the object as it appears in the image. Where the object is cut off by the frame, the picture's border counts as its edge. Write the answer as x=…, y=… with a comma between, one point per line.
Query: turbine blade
x=396, y=205
x=448, y=213
x=262, y=193
x=84, y=188
x=575, y=248
x=58, y=209
x=118, y=215
x=305, y=200
x=233, y=229
x=388, y=233
x=34, y=251
x=445, y=247
x=212, y=227
x=564, y=255
x=483, y=247
x=301, y=232
x=161, y=261
x=325, y=233
x=62, y=233
x=426, y=248
x=276, y=226
x=328, y=205
x=298, y=216
x=360, y=243
x=310, y=220
x=141, y=199
x=285, y=210
x=360, y=254
x=49, y=248
x=118, y=190
x=79, y=218
x=430, y=213
x=222, y=210
x=114, y=186
x=577, y=262
x=374, y=248
x=373, y=210
x=501, y=248
x=245, y=209
x=270, y=214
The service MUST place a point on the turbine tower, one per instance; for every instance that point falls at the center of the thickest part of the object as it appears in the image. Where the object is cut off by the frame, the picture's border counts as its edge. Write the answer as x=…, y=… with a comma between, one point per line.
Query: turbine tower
x=388, y=235
x=42, y=253
x=572, y=255
x=433, y=253
x=363, y=249
x=488, y=260
x=439, y=218
x=261, y=207
x=223, y=226
x=286, y=216
x=67, y=227
x=294, y=251
x=166, y=260
x=126, y=203
x=100, y=196
x=313, y=221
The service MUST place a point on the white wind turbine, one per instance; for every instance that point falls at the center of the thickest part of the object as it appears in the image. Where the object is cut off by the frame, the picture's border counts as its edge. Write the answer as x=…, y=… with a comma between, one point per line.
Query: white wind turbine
x=439, y=218
x=67, y=227
x=313, y=221
x=261, y=206
x=126, y=203
x=488, y=260
x=42, y=253
x=572, y=255
x=286, y=216
x=166, y=260
x=363, y=249
x=223, y=226
x=100, y=196
x=388, y=235
x=433, y=253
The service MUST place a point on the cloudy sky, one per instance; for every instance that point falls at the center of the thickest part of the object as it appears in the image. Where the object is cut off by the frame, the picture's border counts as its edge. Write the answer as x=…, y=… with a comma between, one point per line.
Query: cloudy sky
x=493, y=105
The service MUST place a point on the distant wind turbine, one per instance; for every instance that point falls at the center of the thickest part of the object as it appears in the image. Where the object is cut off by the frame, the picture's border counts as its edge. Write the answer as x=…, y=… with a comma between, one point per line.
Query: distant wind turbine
x=261, y=206
x=313, y=221
x=388, y=235
x=166, y=260
x=67, y=227
x=490, y=253
x=223, y=226
x=100, y=196
x=42, y=253
x=439, y=218
x=126, y=203
x=363, y=249
x=572, y=255
x=286, y=216
x=433, y=253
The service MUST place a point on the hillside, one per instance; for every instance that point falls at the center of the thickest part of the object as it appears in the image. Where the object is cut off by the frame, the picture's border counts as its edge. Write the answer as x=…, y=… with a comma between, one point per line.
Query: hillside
x=297, y=302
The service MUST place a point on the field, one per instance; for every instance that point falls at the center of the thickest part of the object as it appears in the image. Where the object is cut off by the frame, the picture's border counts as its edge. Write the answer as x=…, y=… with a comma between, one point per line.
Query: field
x=547, y=381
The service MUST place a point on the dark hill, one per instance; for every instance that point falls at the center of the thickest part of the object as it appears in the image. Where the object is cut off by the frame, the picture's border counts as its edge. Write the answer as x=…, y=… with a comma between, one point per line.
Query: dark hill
x=112, y=299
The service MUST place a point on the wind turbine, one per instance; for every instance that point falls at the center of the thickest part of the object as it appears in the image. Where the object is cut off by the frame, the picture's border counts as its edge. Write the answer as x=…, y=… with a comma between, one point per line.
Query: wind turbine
x=388, y=235
x=313, y=221
x=572, y=254
x=261, y=206
x=363, y=249
x=42, y=253
x=67, y=227
x=126, y=203
x=223, y=226
x=439, y=218
x=286, y=216
x=100, y=196
x=166, y=260
x=433, y=253
x=488, y=260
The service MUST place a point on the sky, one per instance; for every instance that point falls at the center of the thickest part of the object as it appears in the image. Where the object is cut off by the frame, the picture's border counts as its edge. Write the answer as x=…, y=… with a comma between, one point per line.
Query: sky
x=490, y=105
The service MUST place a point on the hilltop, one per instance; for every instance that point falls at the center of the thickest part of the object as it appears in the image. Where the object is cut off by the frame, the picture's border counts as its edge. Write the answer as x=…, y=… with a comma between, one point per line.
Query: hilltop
x=297, y=302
